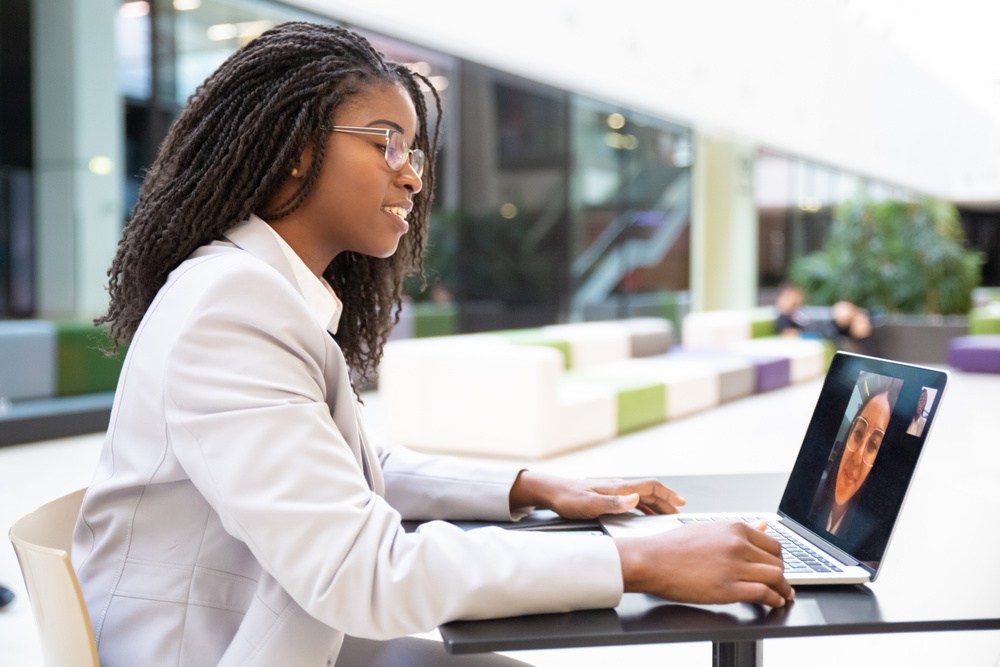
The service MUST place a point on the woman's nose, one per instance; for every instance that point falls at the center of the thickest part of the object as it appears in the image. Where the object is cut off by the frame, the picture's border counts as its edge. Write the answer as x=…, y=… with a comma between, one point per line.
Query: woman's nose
x=409, y=178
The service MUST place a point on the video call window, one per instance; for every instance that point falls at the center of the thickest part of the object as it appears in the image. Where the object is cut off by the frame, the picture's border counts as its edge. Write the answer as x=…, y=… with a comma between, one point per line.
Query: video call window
x=918, y=418
x=864, y=432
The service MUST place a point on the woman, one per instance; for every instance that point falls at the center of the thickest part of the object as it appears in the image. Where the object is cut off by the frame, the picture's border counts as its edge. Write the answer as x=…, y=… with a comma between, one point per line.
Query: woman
x=835, y=505
x=918, y=421
x=239, y=514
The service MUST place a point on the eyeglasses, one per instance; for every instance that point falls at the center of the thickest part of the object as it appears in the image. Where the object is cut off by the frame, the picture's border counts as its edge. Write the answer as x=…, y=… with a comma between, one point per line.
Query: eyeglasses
x=856, y=437
x=397, y=152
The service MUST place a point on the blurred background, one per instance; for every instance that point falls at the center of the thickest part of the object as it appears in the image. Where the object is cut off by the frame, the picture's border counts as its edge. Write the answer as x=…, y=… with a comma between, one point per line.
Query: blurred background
x=599, y=159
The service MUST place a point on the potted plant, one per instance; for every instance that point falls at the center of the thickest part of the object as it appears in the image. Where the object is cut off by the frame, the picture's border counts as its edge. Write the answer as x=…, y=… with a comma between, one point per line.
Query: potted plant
x=907, y=261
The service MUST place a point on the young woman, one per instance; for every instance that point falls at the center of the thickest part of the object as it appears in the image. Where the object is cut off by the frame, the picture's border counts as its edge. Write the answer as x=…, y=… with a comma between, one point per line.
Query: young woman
x=239, y=515
x=834, y=507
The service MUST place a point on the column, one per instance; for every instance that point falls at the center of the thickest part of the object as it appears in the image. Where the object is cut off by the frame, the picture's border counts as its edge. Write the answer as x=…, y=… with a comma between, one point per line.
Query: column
x=78, y=154
x=723, y=224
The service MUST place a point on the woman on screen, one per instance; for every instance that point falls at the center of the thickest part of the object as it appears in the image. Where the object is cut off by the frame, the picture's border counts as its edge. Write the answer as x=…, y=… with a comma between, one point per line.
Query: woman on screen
x=836, y=501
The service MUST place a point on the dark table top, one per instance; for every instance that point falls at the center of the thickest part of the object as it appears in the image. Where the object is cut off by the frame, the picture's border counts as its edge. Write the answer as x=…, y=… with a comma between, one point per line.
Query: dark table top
x=926, y=583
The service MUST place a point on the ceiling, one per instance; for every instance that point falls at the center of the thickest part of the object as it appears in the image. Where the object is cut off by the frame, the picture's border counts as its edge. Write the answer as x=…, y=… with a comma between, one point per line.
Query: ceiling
x=906, y=91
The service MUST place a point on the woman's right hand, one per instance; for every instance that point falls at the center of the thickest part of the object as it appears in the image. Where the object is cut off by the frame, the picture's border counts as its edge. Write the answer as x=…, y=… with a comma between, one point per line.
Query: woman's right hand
x=709, y=563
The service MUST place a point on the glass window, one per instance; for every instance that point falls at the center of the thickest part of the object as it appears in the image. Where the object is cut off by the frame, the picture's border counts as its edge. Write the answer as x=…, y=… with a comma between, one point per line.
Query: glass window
x=631, y=204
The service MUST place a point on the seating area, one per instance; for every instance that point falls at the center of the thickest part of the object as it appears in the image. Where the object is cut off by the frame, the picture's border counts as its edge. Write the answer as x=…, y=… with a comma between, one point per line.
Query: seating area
x=55, y=379
x=979, y=351
x=527, y=393
x=537, y=392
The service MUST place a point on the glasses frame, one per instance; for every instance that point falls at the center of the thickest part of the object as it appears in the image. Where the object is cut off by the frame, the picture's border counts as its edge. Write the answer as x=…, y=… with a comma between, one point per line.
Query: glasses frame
x=414, y=157
x=851, y=447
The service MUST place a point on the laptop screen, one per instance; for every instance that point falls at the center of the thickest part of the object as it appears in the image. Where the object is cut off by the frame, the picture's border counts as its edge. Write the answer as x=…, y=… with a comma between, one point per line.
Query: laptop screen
x=860, y=452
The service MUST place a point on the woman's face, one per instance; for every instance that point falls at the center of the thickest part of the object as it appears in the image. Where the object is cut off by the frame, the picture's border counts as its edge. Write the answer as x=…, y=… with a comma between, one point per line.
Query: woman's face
x=359, y=203
x=865, y=436
x=921, y=403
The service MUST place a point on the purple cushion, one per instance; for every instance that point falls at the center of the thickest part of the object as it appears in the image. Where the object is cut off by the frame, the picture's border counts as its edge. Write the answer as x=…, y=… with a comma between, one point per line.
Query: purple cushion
x=769, y=372
x=978, y=353
x=772, y=373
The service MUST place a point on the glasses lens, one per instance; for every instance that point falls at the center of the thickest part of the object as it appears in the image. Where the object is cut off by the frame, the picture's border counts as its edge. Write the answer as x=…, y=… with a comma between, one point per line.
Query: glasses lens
x=417, y=161
x=872, y=447
x=395, y=151
x=857, y=434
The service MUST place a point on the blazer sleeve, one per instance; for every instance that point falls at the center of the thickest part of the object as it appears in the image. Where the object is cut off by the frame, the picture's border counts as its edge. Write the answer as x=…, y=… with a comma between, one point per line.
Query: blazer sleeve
x=423, y=486
x=247, y=418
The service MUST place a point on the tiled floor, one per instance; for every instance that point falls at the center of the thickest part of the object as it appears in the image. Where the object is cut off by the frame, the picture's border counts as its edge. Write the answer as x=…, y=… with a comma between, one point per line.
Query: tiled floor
x=758, y=434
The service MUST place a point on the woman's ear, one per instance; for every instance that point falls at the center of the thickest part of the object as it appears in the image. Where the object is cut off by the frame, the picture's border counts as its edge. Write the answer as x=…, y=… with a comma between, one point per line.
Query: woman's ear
x=302, y=165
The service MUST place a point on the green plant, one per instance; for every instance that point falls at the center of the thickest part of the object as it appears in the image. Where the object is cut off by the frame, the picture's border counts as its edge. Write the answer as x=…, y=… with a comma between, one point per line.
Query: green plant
x=439, y=260
x=902, y=257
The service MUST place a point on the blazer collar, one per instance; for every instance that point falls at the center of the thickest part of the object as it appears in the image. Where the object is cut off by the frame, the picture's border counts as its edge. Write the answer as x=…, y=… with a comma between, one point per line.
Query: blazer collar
x=254, y=236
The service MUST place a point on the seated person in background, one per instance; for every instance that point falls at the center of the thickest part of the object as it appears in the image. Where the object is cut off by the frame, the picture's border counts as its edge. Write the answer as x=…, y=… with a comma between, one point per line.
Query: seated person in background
x=790, y=321
x=847, y=326
x=853, y=325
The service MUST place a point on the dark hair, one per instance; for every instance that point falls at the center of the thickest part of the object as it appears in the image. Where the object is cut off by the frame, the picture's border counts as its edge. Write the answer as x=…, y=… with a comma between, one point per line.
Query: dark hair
x=234, y=144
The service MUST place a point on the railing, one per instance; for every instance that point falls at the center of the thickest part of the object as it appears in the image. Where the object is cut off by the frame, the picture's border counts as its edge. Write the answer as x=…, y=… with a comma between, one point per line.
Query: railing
x=603, y=265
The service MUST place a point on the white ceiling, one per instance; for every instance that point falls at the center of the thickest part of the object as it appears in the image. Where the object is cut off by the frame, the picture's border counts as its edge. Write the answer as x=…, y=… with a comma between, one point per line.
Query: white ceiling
x=907, y=91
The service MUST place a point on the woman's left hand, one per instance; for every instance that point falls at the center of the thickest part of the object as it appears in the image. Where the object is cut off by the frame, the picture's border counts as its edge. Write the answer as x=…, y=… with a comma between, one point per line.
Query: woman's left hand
x=590, y=498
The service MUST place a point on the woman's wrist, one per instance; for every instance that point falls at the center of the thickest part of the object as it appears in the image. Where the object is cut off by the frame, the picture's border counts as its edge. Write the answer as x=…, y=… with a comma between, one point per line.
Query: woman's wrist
x=528, y=490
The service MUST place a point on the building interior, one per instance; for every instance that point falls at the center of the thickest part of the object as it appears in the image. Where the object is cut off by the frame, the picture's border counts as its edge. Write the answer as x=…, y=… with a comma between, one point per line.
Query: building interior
x=597, y=163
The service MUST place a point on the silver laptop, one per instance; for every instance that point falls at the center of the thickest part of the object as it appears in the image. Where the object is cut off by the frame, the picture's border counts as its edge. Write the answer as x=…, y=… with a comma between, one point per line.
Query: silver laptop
x=849, y=481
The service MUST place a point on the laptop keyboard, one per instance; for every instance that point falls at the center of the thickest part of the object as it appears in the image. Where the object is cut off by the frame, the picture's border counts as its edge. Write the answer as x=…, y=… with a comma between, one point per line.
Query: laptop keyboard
x=798, y=555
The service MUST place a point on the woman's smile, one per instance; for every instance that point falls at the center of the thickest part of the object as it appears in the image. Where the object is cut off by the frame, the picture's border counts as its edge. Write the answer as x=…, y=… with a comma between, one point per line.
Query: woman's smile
x=400, y=213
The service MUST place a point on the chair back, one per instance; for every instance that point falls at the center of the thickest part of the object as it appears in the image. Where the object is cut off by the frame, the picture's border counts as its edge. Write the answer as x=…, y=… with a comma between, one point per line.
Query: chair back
x=42, y=541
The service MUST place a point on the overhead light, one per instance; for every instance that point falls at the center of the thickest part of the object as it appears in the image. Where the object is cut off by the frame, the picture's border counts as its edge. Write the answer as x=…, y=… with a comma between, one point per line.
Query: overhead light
x=420, y=67
x=439, y=82
x=101, y=165
x=186, y=5
x=221, y=32
x=621, y=142
x=616, y=121
x=134, y=10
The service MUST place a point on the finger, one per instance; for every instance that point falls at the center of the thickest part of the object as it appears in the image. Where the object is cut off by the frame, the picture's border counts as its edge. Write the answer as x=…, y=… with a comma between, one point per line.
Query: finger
x=654, y=494
x=763, y=541
x=659, y=498
x=773, y=577
x=750, y=591
x=619, y=504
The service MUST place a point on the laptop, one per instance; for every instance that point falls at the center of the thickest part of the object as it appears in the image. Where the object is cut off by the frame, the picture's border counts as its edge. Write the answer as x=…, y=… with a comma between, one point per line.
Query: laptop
x=850, y=478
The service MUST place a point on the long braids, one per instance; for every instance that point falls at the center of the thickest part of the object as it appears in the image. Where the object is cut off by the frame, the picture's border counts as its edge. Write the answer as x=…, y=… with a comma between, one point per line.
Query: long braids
x=233, y=146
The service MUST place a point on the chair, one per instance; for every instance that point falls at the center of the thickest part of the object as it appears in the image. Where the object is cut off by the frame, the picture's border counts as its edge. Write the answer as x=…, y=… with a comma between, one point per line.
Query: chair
x=42, y=542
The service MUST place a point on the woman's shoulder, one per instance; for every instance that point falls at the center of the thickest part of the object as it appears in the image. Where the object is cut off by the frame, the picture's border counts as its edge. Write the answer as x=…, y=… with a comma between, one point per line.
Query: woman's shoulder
x=221, y=261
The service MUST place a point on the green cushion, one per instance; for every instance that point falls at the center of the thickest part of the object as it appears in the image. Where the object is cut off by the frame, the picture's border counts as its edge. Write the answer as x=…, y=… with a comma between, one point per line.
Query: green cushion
x=540, y=337
x=762, y=323
x=984, y=321
x=82, y=367
x=434, y=319
x=641, y=403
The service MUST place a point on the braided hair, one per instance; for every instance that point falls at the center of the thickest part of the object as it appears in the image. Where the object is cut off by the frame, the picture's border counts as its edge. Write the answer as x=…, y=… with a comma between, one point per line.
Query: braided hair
x=228, y=152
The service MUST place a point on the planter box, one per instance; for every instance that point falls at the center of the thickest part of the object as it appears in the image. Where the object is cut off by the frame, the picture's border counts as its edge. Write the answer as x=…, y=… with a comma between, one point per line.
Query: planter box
x=917, y=339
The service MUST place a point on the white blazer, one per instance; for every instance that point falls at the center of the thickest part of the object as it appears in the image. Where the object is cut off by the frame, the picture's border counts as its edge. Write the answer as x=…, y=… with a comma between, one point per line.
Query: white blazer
x=239, y=516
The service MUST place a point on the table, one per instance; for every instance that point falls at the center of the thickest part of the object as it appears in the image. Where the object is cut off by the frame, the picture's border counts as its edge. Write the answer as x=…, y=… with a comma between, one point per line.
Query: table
x=965, y=596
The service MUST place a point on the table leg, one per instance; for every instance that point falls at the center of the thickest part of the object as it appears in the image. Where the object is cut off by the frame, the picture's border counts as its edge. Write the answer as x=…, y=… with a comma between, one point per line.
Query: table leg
x=738, y=654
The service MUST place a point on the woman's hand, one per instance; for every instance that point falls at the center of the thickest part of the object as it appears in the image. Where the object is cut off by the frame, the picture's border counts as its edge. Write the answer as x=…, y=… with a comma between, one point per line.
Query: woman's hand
x=590, y=498
x=710, y=563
